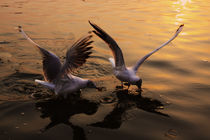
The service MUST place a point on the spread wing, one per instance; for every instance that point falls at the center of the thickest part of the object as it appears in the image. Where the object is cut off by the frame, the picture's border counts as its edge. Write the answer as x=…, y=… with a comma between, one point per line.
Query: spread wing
x=141, y=61
x=117, y=53
x=51, y=63
x=77, y=54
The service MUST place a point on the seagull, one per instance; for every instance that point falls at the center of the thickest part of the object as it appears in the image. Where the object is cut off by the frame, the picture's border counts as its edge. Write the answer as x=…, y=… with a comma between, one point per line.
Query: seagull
x=58, y=76
x=121, y=72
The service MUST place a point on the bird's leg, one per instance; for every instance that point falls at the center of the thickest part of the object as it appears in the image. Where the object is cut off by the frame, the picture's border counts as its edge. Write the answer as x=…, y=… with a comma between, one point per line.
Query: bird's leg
x=129, y=85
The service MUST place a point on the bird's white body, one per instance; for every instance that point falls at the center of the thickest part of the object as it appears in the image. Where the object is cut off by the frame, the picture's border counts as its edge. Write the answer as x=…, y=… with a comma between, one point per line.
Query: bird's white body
x=65, y=85
x=70, y=84
x=126, y=75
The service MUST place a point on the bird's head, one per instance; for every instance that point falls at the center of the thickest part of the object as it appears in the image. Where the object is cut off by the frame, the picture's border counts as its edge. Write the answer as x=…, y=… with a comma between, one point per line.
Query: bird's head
x=91, y=84
x=139, y=83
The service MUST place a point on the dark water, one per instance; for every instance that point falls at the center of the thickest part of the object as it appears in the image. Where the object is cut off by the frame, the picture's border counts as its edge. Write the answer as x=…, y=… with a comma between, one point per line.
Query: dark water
x=174, y=103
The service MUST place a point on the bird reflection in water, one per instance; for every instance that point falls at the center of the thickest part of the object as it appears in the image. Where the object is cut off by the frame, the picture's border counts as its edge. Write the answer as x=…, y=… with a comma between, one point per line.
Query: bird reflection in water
x=126, y=102
x=60, y=111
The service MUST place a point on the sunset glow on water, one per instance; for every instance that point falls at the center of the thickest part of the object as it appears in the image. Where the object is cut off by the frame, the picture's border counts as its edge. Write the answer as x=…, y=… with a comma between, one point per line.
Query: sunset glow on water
x=175, y=101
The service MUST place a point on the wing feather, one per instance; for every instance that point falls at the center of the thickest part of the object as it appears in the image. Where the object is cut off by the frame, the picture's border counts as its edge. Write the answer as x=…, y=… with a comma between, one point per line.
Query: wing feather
x=141, y=61
x=51, y=63
x=117, y=53
x=77, y=55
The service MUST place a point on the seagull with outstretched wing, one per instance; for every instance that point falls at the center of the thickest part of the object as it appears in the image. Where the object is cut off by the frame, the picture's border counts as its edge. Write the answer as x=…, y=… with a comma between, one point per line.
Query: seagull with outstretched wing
x=58, y=76
x=123, y=73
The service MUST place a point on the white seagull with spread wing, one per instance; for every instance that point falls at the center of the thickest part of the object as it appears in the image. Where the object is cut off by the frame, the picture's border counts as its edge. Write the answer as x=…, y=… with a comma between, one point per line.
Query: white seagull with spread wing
x=123, y=73
x=58, y=77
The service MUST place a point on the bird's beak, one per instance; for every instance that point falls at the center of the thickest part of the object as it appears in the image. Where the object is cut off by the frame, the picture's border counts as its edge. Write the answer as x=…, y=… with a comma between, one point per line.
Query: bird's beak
x=139, y=86
x=180, y=28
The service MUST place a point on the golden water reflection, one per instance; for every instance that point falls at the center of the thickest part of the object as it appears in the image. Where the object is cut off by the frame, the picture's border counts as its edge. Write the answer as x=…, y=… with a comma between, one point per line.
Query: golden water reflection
x=182, y=2
x=180, y=71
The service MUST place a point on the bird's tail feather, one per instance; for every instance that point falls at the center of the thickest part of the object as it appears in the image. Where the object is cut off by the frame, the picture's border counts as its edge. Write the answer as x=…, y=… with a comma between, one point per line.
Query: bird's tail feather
x=46, y=84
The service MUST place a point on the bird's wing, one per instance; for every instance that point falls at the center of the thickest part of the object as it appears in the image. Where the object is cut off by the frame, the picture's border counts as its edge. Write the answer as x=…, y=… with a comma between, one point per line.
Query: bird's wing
x=138, y=64
x=117, y=53
x=51, y=63
x=77, y=54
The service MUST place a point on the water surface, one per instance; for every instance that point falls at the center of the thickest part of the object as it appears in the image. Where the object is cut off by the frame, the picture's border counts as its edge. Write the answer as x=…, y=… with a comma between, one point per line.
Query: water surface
x=175, y=100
